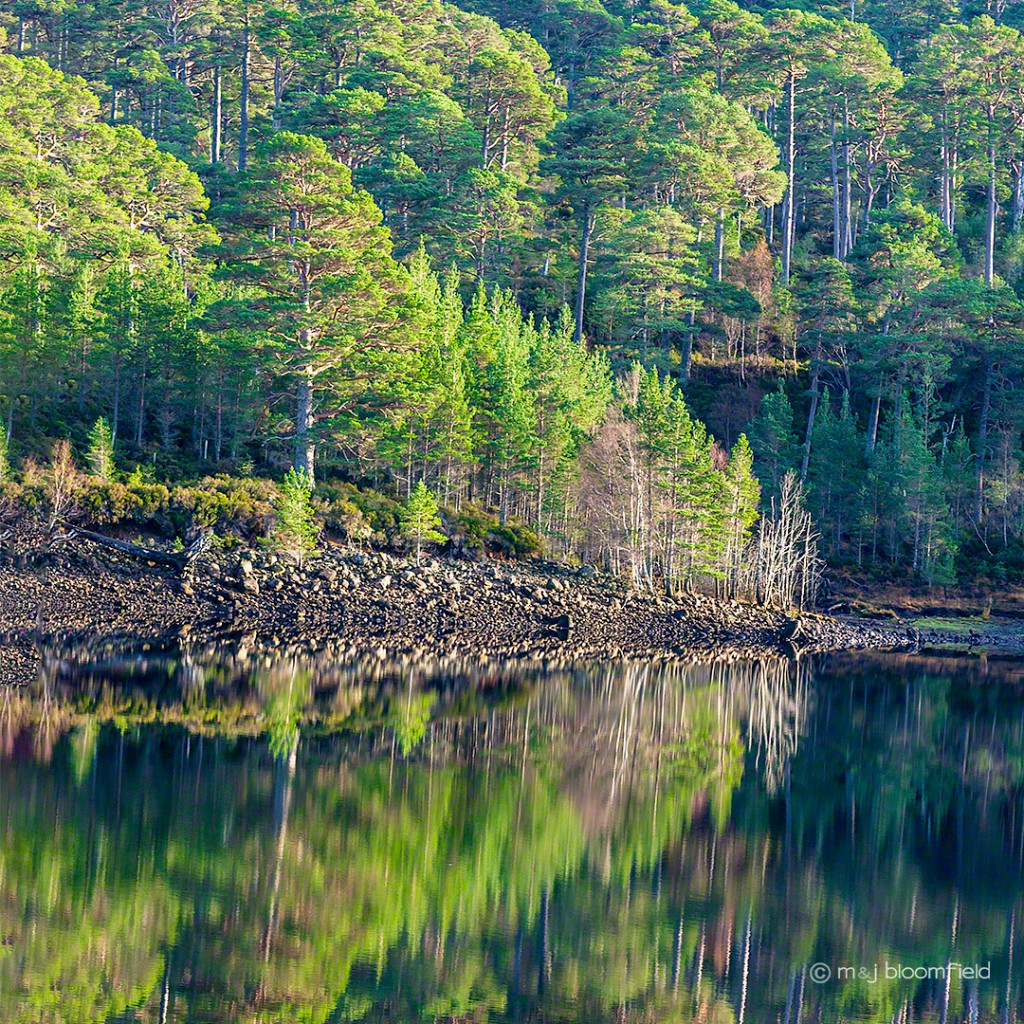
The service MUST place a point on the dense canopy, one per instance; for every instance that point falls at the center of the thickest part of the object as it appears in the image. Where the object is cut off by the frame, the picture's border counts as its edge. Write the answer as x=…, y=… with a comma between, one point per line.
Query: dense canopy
x=514, y=251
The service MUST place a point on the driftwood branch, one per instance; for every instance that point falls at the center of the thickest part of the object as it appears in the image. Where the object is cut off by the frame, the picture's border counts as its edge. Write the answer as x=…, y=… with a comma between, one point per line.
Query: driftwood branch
x=179, y=560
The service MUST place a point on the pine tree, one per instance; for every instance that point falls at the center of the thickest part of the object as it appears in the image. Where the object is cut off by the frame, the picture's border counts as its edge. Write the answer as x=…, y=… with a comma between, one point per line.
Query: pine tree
x=100, y=455
x=323, y=280
x=932, y=549
x=774, y=441
x=511, y=409
x=570, y=389
x=420, y=519
x=449, y=431
x=744, y=495
x=296, y=530
x=833, y=497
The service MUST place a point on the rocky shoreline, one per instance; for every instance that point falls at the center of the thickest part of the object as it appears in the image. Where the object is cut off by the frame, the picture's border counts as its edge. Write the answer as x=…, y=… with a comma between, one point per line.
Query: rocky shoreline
x=345, y=601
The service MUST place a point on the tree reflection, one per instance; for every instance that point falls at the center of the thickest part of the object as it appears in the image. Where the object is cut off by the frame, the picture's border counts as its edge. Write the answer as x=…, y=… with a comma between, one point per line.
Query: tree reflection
x=217, y=840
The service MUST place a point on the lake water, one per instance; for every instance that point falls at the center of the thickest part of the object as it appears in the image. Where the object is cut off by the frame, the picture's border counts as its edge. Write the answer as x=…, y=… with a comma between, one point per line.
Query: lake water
x=201, y=839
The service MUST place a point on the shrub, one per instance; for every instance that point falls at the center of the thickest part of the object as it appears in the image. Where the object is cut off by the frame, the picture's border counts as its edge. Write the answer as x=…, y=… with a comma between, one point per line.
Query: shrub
x=383, y=515
x=151, y=502
x=226, y=505
x=473, y=524
x=480, y=530
x=104, y=503
x=346, y=518
x=514, y=538
x=110, y=502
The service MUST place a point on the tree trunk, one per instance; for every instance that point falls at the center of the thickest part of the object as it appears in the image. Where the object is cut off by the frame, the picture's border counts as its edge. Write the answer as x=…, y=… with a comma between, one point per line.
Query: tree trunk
x=719, y=244
x=847, y=242
x=951, y=184
x=278, y=90
x=944, y=189
x=986, y=410
x=115, y=419
x=504, y=141
x=990, y=224
x=837, y=225
x=789, y=207
x=870, y=191
x=243, y=123
x=1018, y=196
x=179, y=561
x=215, y=136
x=305, y=445
x=485, y=139
x=876, y=407
x=141, y=410
x=218, y=437
x=581, y=278
x=811, y=414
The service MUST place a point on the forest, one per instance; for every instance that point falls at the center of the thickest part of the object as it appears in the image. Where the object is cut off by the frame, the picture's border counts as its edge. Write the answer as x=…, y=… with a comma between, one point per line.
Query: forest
x=620, y=277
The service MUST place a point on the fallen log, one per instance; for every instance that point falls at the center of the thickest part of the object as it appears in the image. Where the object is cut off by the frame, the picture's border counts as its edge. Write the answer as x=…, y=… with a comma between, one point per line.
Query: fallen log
x=177, y=560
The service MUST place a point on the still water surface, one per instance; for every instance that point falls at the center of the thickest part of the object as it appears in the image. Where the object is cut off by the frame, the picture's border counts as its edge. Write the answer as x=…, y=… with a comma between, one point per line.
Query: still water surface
x=202, y=840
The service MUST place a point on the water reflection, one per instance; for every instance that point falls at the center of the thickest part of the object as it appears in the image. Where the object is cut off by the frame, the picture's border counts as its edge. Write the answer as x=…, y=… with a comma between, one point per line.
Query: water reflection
x=195, y=838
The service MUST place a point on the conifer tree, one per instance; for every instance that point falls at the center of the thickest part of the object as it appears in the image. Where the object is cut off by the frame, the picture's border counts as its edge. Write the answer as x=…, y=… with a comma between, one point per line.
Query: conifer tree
x=774, y=439
x=320, y=262
x=5, y=456
x=295, y=531
x=833, y=497
x=100, y=455
x=744, y=497
x=420, y=519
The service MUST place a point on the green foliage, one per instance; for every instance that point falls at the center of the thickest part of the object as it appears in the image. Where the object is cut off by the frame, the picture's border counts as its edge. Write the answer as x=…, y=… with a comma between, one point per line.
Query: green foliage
x=234, y=270
x=774, y=439
x=100, y=455
x=295, y=525
x=246, y=507
x=513, y=538
x=348, y=506
x=474, y=526
x=409, y=716
x=420, y=519
x=835, y=498
x=480, y=531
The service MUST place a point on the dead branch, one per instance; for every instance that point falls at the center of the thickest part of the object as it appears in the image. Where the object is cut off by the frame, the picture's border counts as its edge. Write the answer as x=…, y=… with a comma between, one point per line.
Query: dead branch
x=178, y=560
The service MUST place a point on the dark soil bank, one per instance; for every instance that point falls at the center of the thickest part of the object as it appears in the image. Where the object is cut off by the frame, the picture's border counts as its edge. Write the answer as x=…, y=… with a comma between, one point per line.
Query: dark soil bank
x=76, y=600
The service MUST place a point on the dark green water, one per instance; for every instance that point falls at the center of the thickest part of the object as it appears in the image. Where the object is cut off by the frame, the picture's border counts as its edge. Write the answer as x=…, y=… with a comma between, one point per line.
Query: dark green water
x=204, y=842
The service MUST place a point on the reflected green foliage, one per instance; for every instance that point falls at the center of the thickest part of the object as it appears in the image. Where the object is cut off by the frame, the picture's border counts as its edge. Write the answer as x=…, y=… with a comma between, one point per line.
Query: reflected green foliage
x=201, y=840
